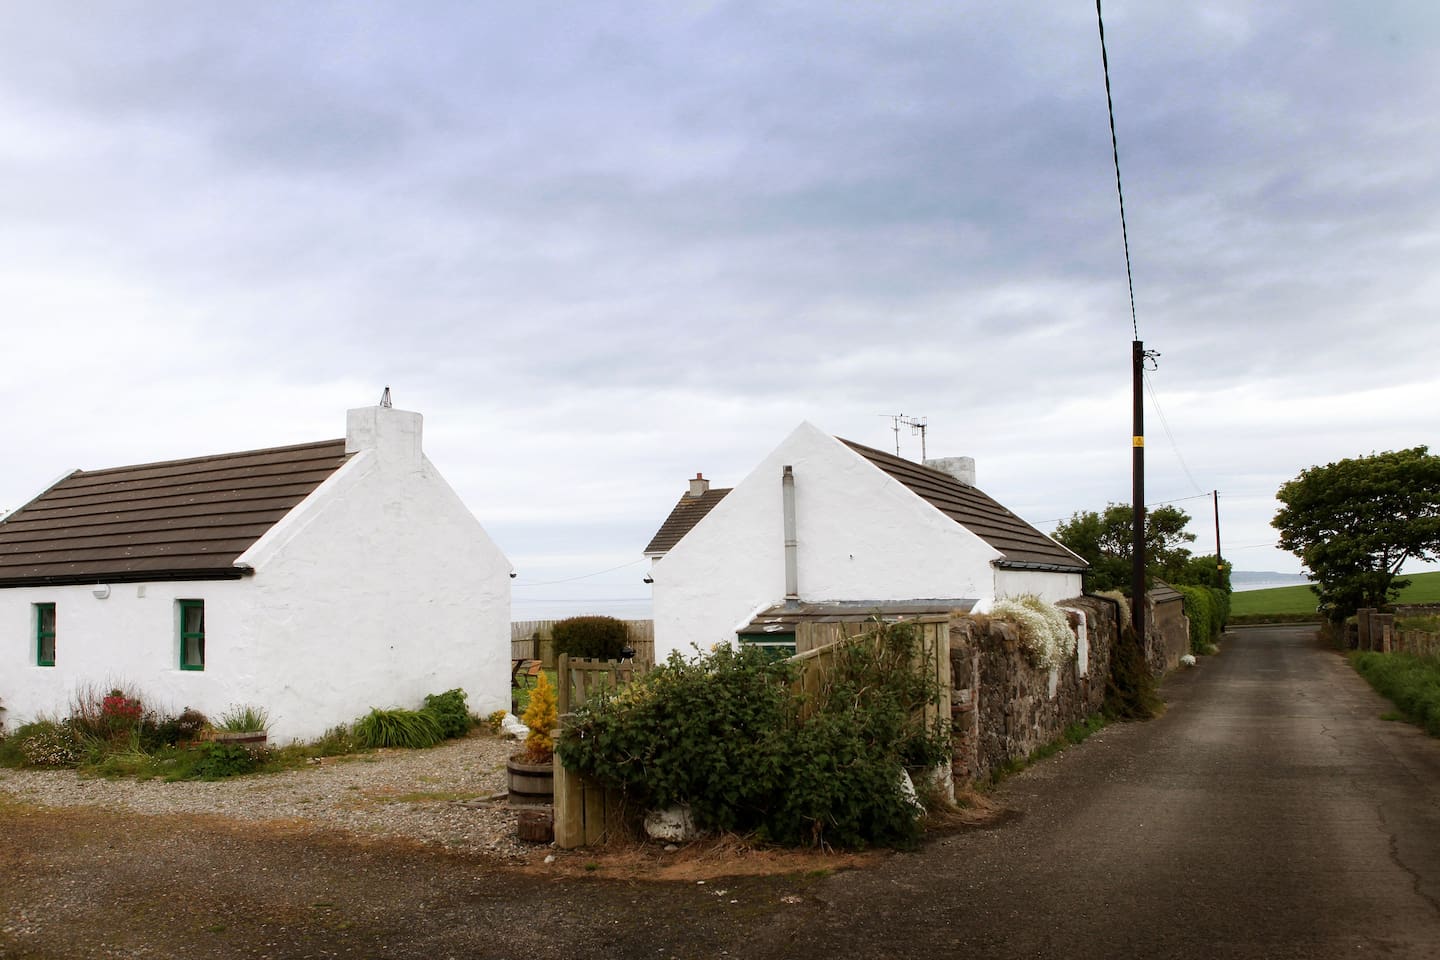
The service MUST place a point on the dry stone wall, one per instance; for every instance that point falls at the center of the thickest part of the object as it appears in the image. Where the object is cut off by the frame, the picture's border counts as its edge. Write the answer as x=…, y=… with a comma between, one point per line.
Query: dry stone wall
x=1004, y=707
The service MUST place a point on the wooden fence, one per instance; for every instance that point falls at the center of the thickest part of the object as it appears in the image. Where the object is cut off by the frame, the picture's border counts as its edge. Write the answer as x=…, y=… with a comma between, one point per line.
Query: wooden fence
x=586, y=812
x=820, y=644
x=530, y=640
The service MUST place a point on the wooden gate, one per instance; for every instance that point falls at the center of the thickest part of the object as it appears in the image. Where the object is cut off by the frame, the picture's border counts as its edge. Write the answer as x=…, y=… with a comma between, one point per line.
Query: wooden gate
x=586, y=812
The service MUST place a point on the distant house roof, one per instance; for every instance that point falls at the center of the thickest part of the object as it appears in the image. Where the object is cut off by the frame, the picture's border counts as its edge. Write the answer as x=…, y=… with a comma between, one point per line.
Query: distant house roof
x=688, y=512
x=1024, y=547
x=175, y=520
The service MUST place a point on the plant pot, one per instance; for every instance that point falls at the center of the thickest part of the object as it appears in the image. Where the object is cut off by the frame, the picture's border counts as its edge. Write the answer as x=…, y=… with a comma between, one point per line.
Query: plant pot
x=530, y=783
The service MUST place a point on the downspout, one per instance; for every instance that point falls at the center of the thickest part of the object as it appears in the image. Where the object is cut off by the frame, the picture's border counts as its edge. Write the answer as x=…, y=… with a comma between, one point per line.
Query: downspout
x=792, y=571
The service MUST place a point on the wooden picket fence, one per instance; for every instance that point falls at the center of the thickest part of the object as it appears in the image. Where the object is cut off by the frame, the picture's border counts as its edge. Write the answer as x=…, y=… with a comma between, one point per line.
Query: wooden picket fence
x=586, y=812
x=531, y=640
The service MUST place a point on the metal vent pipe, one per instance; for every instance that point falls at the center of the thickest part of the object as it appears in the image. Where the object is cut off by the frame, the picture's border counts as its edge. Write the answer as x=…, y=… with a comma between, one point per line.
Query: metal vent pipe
x=792, y=571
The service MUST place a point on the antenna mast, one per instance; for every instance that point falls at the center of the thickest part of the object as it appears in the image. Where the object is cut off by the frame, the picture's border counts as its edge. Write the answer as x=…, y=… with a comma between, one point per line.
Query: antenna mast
x=916, y=425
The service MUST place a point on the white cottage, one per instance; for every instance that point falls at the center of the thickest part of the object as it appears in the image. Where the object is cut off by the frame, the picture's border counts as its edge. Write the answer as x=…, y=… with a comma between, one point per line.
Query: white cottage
x=825, y=525
x=315, y=581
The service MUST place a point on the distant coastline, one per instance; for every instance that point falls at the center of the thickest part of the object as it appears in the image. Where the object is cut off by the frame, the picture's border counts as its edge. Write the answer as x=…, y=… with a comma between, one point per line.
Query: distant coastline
x=1242, y=580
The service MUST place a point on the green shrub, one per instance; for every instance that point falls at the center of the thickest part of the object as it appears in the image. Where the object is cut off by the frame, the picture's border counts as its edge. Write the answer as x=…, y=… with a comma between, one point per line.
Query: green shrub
x=398, y=728
x=221, y=760
x=167, y=731
x=1207, y=609
x=450, y=712
x=725, y=734
x=602, y=637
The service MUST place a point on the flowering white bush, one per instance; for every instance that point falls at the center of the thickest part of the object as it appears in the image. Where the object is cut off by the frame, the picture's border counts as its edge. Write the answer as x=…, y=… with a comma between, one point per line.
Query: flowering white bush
x=1045, y=634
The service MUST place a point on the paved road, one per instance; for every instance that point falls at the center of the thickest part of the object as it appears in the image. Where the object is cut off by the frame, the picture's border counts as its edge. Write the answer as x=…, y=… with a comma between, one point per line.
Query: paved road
x=1269, y=813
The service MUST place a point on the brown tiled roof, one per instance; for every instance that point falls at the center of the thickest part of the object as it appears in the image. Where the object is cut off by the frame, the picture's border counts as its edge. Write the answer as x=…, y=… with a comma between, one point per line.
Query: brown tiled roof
x=1023, y=546
x=175, y=520
x=688, y=512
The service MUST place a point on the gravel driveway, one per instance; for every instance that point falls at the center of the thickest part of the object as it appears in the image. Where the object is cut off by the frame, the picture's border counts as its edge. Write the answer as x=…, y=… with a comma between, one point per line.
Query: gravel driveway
x=443, y=796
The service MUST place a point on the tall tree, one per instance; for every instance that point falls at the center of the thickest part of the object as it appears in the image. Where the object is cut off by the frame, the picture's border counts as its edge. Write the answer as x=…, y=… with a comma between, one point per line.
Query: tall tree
x=1356, y=522
x=1104, y=539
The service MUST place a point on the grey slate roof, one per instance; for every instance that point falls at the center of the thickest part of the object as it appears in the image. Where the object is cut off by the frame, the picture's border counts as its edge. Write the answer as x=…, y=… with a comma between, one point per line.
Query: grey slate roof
x=1024, y=547
x=688, y=512
x=173, y=520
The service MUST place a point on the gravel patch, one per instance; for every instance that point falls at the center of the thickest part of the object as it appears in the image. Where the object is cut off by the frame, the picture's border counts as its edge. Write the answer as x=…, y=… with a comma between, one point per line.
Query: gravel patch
x=443, y=796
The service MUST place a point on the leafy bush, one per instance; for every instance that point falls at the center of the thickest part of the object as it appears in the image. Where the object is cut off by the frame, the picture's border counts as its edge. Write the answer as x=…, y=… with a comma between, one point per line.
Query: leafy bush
x=1207, y=608
x=103, y=714
x=495, y=720
x=541, y=716
x=725, y=734
x=245, y=719
x=398, y=728
x=1045, y=633
x=1411, y=682
x=450, y=712
x=221, y=760
x=602, y=637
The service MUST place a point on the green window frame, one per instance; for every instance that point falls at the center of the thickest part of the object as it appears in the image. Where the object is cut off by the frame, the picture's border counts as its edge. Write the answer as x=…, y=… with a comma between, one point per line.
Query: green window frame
x=777, y=646
x=191, y=614
x=45, y=634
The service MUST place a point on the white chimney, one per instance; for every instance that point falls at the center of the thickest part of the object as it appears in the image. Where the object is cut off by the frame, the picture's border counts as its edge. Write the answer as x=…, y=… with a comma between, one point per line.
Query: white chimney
x=699, y=486
x=393, y=434
x=961, y=468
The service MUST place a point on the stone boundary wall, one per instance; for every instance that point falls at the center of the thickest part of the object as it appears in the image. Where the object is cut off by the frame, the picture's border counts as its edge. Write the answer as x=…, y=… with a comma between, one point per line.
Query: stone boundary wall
x=1003, y=707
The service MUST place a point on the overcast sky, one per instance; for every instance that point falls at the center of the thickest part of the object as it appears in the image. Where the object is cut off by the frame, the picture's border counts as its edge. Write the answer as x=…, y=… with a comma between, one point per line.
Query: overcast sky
x=602, y=246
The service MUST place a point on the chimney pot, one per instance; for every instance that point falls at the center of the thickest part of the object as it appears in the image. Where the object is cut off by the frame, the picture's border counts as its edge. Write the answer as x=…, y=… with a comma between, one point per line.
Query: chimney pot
x=699, y=486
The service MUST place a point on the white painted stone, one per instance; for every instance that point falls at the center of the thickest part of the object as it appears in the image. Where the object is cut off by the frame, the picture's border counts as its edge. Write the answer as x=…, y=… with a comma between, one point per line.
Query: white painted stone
x=908, y=792
x=512, y=728
x=1188, y=660
x=673, y=824
x=378, y=588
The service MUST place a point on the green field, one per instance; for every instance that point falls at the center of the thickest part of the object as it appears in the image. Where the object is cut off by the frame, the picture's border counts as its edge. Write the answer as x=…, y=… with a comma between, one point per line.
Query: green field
x=1294, y=601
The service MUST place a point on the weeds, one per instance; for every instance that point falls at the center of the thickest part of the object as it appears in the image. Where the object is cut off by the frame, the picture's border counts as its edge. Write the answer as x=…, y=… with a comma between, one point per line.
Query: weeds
x=1411, y=682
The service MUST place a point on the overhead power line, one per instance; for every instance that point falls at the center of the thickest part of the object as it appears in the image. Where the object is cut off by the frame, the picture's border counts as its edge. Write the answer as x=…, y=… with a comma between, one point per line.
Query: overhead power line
x=1115, y=152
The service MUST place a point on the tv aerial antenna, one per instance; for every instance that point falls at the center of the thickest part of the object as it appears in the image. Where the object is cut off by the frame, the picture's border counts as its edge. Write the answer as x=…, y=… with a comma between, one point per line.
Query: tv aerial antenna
x=916, y=425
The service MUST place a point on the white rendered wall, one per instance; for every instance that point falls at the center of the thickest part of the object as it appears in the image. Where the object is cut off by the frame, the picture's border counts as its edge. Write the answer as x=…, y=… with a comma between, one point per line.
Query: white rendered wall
x=130, y=638
x=1048, y=585
x=862, y=536
x=379, y=588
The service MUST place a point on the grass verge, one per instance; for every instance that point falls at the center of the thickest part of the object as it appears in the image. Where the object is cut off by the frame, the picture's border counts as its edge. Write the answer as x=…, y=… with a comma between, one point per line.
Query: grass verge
x=1411, y=683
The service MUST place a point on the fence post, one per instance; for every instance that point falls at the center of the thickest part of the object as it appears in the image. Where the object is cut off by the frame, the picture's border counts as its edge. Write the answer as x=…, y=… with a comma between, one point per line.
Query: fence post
x=1362, y=627
x=1385, y=640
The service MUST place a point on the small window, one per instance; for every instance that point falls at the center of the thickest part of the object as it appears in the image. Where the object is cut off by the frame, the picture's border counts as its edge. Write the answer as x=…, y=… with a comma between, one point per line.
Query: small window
x=45, y=634
x=777, y=646
x=192, y=634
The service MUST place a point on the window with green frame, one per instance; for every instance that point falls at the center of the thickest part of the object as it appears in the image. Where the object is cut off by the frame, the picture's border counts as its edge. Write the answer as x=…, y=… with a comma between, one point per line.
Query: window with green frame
x=45, y=634
x=192, y=634
x=777, y=646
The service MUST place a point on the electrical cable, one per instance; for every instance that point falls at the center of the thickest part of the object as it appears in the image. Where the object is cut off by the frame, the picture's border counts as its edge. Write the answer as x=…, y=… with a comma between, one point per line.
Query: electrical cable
x=1164, y=423
x=1115, y=151
x=583, y=576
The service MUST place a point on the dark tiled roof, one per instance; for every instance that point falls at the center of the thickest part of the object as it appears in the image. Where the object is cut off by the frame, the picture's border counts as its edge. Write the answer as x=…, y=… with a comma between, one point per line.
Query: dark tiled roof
x=1023, y=546
x=688, y=512
x=176, y=520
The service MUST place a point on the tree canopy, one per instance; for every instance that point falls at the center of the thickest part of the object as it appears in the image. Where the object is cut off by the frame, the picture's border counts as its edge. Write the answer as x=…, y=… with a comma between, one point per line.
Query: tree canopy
x=1104, y=539
x=1356, y=522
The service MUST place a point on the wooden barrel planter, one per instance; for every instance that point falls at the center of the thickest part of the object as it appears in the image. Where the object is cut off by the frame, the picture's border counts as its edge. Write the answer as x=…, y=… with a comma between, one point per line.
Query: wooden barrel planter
x=252, y=740
x=531, y=783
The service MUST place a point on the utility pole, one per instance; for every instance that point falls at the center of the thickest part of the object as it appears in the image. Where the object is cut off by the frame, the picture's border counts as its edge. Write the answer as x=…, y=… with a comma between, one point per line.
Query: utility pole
x=1137, y=484
x=1219, y=560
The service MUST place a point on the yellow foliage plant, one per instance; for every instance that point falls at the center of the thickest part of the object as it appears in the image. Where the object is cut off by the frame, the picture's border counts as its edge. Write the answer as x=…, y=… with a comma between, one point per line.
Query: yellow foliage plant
x=542, y=717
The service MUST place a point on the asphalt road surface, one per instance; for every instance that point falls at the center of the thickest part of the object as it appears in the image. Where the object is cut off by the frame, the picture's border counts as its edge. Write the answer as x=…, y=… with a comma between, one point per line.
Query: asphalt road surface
x=1269, y=813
